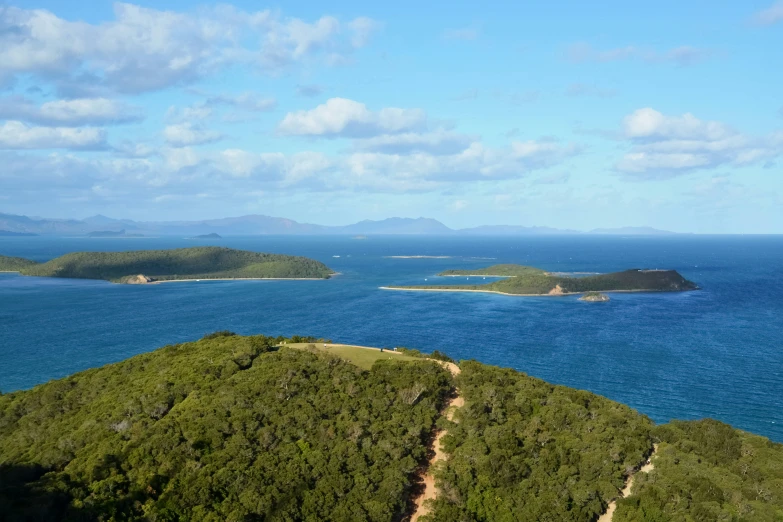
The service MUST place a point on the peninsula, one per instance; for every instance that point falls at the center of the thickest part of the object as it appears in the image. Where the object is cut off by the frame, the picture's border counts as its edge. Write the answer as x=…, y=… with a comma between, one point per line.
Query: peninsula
x=530, y=281
x=150, y=266
x=269, y=428
x=15, y=264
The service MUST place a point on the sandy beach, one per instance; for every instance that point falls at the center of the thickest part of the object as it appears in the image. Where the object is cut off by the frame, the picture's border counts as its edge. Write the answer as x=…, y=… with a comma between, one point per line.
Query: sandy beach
x=557, y=294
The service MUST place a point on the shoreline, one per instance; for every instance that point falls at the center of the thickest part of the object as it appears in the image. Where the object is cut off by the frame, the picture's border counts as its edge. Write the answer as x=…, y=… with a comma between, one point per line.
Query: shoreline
x=228, y=279
x=473, y=275
x=559, y=294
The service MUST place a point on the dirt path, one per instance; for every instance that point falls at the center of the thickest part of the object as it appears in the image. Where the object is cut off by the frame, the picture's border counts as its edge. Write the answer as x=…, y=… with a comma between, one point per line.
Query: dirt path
x=626, y=492
x=430, y=491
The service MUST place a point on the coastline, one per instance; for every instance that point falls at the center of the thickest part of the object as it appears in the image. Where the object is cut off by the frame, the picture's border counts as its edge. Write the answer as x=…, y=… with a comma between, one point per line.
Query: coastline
x=559, y=294
x=237, y=279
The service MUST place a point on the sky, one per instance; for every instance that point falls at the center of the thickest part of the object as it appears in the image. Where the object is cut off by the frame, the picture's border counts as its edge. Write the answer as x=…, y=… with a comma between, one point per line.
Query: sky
x=567, y=114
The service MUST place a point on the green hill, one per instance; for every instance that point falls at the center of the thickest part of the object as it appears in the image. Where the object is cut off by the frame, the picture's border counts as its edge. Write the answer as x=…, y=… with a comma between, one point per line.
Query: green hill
x=525, y=280
x=14, y=264
x=182, y=263
x=240, y=428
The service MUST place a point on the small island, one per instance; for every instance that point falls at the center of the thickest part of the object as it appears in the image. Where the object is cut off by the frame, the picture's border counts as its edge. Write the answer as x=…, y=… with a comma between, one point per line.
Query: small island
x=594, y=297
x=182, y=264
x=531, y=281
x=213, y=235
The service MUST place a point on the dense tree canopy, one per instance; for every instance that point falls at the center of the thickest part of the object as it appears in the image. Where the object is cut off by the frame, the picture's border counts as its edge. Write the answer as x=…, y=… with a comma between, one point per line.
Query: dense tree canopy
x=227, y=428
x=706, y=471
x=233, y=428
x=14, y=264
x=522, y=449
x=180, y=263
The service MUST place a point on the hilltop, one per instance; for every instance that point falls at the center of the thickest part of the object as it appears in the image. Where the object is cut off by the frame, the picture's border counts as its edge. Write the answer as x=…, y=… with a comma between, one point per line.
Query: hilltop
x=142, y=266
x=526, y=280
x=261, y=428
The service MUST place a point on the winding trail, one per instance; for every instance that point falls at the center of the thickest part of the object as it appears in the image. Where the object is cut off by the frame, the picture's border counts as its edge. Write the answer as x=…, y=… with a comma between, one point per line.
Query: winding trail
x=626, y=492
x=430, y=491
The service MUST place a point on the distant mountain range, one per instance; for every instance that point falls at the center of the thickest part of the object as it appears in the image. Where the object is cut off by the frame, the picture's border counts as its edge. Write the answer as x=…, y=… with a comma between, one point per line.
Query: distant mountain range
x=266, y=225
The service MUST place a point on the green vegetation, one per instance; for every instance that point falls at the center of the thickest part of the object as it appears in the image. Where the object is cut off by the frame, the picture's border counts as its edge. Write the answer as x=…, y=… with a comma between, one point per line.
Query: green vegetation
x=15, y=264
x=522, y=449
x=706, y=471
x=524, y=280
x=596, y=297
x=226, y=428
x=497, y=270
x=257, y=428
x=361, y=356
x=182, y=263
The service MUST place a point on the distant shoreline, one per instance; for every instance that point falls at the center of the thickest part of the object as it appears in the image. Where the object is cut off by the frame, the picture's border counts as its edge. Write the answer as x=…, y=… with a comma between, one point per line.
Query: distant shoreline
x=417, y=257
x=560, y=294
x=238, y=279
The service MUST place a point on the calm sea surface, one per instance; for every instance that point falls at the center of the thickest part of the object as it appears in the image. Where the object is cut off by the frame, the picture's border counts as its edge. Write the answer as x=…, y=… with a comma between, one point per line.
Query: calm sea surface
x=717, y=352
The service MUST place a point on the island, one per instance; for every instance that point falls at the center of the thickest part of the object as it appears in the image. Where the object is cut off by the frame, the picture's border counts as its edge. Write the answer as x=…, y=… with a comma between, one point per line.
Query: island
x=530, y=281
x=213, y=235
x=182, y=264
x=112, y=233
x=594, y=297
x=280, y=429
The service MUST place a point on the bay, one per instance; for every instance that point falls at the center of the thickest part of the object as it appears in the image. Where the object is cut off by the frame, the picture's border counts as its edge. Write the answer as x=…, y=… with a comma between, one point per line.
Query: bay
x=716, y=352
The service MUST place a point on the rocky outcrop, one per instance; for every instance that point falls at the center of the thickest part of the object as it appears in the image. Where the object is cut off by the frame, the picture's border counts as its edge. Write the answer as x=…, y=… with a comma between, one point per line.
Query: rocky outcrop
x=140, y=279
x=594, y=297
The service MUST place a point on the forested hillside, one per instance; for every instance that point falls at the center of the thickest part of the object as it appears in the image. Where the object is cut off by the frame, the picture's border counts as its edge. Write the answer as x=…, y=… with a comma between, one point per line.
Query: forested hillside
x=14, y=264
x=248, y=428
x=523, y=449
x=181, y=263
x=226, y=428
x=708, y=471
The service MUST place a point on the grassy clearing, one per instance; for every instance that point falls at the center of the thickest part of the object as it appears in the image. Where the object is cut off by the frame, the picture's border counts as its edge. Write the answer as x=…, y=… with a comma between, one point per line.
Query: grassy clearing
x=362, y=356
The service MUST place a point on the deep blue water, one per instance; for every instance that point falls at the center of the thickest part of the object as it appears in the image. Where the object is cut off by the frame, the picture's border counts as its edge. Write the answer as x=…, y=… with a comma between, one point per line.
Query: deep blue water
x=717, y=352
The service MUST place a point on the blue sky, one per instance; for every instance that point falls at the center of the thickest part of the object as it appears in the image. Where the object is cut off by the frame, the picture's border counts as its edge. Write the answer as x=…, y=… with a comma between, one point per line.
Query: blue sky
x=567, y=114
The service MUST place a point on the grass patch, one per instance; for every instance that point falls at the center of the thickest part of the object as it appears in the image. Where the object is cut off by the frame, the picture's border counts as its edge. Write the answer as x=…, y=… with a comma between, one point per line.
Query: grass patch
x=362, y=356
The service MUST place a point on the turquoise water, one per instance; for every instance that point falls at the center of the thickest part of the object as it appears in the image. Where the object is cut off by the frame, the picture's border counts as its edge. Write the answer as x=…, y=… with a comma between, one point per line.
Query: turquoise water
x=717, y=352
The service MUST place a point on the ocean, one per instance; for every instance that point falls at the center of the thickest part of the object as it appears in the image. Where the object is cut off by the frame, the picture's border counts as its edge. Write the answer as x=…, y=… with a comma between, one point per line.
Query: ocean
x=716, y=352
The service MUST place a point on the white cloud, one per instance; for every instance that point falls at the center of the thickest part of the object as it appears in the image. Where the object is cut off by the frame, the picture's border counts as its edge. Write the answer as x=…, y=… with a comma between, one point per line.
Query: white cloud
x=363, y=28
x=146, y=49
x=649, y=123
x=438, y=142
x=683, y=56
x=771, y=15
x=185, y=134
x=17, y=135
x=340, y=117
x=78, y=112
x=666, y=146
x=247, y=101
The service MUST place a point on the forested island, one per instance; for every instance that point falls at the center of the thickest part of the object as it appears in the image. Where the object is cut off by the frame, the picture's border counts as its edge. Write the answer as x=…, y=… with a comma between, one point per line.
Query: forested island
x=527, y=280
x=15, y=264
x=261, y=428
x=147, y=266
x=213, y=235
